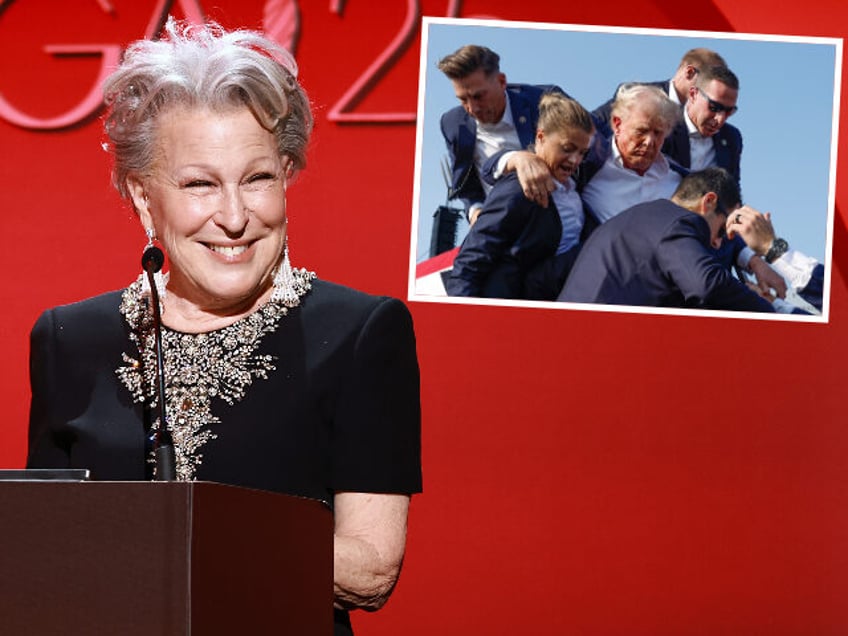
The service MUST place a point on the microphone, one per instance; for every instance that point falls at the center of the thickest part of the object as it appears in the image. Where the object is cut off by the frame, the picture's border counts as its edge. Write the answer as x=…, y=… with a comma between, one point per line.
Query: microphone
x=163, y=445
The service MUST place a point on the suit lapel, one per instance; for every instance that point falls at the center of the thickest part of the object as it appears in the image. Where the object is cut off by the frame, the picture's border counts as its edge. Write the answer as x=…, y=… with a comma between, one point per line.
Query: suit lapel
x=466, y=141
x=677, y=145
x=722, y=151
x=467, y=135
x=522, y=115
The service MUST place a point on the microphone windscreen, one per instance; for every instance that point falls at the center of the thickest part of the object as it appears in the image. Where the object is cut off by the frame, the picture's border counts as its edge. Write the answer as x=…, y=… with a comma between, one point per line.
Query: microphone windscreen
x=153, y=258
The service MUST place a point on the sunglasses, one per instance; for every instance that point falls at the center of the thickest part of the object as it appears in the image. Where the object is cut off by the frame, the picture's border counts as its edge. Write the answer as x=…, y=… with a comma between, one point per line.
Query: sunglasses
x=717, y=107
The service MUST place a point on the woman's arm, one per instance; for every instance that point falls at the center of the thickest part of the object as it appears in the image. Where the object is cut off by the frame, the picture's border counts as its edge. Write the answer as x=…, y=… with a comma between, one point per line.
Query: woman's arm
x=376, y=441
x=369, y=542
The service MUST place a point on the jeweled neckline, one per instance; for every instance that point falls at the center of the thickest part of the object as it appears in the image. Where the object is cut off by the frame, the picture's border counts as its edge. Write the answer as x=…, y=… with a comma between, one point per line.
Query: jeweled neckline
x=221, y=363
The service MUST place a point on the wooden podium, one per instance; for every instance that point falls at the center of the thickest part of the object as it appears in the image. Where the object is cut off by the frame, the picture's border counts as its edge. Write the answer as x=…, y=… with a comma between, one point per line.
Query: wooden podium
x=163, y=559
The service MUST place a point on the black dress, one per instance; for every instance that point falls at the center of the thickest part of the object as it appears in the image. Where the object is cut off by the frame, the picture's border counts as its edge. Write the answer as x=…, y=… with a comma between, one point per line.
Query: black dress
x=340, y=412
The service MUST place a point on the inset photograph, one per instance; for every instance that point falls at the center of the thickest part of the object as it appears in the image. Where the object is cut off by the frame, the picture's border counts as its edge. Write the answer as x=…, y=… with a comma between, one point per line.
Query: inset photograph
x=633, y=170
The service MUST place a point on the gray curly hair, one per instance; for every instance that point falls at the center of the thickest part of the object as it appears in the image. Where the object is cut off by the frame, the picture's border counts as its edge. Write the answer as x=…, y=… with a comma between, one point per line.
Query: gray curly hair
x=202, y=66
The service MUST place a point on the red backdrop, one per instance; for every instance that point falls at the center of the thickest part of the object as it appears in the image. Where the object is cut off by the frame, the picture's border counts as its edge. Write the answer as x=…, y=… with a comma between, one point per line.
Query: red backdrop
x=582, y=474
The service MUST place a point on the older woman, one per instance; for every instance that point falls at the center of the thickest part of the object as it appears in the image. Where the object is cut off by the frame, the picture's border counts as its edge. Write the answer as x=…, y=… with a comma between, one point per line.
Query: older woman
x=517, y=248
x=274, y=379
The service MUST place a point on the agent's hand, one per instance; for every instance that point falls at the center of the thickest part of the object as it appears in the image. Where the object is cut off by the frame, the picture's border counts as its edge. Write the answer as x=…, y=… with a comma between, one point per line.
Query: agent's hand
x=533, y=175
x=753, y=226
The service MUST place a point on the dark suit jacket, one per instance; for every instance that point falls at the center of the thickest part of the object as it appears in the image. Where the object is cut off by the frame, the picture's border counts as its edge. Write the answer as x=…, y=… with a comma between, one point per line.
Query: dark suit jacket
x=727, y=141
x=656, y=254
x=460, y=132
x=511, y=241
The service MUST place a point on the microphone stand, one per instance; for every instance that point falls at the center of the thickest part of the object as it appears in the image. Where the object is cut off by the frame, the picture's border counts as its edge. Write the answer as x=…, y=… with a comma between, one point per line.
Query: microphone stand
x=163, y=445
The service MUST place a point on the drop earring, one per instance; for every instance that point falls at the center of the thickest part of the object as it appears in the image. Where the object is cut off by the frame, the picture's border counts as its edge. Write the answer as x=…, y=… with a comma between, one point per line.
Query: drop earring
x=285, y=290
x=158, y=277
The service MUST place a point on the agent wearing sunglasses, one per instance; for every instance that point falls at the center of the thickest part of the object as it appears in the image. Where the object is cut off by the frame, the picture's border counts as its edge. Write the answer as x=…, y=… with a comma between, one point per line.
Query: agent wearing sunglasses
x=705, y=139
x=711, y=140
x=677, y=88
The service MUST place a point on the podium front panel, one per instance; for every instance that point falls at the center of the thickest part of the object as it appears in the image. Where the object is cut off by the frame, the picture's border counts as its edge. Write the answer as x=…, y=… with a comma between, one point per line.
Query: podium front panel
x=139, y=558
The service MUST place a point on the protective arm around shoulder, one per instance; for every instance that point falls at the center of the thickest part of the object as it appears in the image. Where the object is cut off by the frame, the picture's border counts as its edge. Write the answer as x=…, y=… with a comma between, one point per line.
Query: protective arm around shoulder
x=533, y=173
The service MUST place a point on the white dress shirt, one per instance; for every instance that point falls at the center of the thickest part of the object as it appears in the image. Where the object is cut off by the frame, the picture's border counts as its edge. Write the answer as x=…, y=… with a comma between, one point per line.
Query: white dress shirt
x=796, y=267
x=701, y=149
x=570, y=209
x=492, y=138
x=615, y=188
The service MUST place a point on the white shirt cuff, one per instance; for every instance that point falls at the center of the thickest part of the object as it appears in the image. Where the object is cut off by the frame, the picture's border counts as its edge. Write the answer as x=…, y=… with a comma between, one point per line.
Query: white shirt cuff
x=796, y=268
x=501, y=165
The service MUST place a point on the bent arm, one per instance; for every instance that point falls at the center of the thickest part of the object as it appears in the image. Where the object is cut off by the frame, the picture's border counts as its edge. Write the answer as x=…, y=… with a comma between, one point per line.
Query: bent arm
x=533, y=173
x=368, y=547
x=702, y=280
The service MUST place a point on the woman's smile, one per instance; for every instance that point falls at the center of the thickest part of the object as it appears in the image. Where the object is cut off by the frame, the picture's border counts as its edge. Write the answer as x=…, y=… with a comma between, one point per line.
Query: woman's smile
x=218, y=182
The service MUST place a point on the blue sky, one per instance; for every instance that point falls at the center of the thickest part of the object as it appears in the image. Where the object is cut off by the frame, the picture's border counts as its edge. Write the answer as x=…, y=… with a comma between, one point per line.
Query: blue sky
x=786, y=105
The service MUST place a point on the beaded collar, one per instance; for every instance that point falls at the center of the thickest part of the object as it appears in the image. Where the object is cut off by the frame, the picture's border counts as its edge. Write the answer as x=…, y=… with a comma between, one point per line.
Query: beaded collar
x=199, y=367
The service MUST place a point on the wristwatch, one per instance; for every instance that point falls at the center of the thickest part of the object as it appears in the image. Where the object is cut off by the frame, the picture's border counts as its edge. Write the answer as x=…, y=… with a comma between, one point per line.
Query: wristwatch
x=778, y=248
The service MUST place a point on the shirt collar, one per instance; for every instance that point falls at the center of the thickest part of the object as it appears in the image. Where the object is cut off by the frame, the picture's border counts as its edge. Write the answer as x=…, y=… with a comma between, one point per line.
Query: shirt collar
x=660, y=162
x=566, y=187
x=693, y=131
x=672, y=92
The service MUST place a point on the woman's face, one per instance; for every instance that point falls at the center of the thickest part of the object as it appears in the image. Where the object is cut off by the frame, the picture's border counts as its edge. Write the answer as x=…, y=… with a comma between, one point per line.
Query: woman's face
x=215, y=197
x=563, y=150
